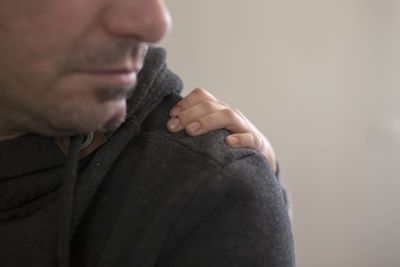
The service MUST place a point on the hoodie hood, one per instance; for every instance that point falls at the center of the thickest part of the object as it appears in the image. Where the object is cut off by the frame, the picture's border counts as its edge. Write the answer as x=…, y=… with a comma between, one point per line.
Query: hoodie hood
x=155, y=82
x=31, y=182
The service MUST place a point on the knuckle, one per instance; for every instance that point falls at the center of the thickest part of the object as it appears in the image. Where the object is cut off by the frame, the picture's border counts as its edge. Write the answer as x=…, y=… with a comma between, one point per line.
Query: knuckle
x=229, y=114
x=199, y=92
x=209, y=106
x=248, y=140
x=203, y=94
x=183, y=118
x=184, y=103
x=180, y=105
x=258, y=142
x=205, y=121
x=236, y=110
x=244, y=140
x=232, y=108
x=220, y=102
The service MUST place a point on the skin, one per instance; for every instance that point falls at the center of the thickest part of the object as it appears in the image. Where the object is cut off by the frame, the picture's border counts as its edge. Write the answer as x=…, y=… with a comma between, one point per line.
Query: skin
x=200, y=112
x=57, y=57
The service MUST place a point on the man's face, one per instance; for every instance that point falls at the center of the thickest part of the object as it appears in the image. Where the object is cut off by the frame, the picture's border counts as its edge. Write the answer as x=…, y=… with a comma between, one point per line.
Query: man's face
x=66, y=66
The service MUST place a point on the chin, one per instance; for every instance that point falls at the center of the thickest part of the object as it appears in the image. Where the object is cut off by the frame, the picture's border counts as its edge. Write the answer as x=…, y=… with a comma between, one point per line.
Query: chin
x=84, y=117
x=82, y=127
x=112, y=124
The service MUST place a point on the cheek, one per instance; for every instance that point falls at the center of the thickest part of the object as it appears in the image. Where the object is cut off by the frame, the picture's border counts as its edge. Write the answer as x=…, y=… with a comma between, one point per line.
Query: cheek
x=39, y=34
x=36, y=37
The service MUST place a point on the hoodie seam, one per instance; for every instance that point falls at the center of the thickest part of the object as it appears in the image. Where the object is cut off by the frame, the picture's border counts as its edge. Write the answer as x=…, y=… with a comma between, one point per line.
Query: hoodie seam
x=207, y=157
x=33, y=206
x=220, y=172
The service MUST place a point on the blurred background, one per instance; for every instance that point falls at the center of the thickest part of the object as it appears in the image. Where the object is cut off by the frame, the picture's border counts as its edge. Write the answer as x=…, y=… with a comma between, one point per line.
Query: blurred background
x=320, y=78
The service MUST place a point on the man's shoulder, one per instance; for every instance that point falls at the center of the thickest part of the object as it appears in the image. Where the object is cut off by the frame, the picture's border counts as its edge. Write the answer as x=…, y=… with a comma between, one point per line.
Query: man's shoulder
x=233, y=199
x=199, y=200
x=210, y=146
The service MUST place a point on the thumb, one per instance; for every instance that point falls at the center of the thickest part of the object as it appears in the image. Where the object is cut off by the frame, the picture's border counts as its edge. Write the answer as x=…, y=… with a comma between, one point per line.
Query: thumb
x=256, y=142
x=248, y=140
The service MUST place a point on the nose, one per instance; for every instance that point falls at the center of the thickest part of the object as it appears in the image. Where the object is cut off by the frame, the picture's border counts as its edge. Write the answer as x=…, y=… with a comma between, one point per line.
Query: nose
x=147, y=20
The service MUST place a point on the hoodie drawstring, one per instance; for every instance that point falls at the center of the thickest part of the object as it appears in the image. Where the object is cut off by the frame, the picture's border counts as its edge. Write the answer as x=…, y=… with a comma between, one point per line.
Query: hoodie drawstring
x=64, y=226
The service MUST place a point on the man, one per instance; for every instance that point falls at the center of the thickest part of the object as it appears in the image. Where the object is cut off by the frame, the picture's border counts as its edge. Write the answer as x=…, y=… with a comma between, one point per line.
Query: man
x=123, y=191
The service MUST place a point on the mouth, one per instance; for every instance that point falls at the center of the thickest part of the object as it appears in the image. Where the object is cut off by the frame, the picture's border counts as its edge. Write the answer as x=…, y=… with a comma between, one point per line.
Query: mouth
x=113, y=84
x=114, y=77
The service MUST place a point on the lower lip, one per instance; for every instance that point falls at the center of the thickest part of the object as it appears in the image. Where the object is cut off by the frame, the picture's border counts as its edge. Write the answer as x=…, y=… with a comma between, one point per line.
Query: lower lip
x=116, y=78
x=113, y=86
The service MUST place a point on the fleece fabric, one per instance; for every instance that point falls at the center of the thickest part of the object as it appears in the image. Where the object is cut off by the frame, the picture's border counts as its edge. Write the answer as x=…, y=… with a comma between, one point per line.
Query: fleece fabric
x=147, y=197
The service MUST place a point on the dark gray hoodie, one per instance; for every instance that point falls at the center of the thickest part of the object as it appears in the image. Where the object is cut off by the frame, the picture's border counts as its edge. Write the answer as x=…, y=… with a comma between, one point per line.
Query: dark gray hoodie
x=146, y=197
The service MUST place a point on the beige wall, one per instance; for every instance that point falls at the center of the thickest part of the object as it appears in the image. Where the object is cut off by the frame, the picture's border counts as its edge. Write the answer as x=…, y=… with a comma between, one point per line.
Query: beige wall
x=321, y=80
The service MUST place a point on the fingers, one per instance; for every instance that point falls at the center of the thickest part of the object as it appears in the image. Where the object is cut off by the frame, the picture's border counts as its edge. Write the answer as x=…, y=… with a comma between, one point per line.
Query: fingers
x=184, y=118
x=249, y=140
x=255, y=141
x=224, y=118
x=200, y=112
x=204, y=118
x=197, y=96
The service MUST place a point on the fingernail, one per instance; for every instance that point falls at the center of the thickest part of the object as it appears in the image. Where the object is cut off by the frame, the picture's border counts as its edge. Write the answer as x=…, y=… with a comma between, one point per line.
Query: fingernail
x=234, y=141
x=175, y=111
x=194, y=127
x=174, y=123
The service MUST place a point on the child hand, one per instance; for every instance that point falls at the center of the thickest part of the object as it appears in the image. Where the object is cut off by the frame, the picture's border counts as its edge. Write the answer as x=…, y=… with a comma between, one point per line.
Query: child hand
x=200, y=112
